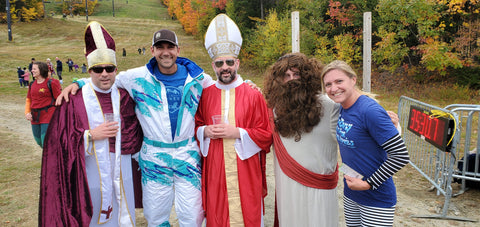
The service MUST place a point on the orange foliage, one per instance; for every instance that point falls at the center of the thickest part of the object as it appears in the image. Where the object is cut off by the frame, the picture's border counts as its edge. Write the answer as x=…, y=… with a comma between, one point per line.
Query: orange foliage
x=189, y=12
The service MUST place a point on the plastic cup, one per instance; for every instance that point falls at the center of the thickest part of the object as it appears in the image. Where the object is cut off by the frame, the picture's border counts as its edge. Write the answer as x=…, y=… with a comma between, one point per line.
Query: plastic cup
x=217, y=119
x=109, y=117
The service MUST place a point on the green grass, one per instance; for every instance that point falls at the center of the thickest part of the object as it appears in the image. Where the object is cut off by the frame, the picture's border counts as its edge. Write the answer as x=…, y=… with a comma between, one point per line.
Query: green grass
x=148, y=9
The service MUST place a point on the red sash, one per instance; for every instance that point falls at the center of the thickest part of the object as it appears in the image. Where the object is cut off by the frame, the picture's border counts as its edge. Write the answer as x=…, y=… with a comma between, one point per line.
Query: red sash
x=297, y=172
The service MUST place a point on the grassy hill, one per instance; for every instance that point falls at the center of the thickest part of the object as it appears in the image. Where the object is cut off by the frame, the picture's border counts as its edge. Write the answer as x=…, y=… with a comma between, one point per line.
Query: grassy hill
x=132, y=28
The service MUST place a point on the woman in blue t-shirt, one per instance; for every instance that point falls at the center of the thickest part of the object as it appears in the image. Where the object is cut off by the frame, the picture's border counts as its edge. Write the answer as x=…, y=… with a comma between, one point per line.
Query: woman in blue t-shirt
x=370, y=145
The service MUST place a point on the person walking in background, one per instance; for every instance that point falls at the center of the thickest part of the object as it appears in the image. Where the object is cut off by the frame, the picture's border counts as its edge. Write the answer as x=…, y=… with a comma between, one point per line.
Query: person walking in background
x=167, y=91
x=59, y=69
x=84, y=68
x=20, y=73
x=370, y=145
x=26, y=77
x=87, y=177
x=124, y=52
x=305, y=145
x=39, y=105
x=30, y=65
x=75, y=66
x=70, y=64
x=51, y=69
x=234, y=149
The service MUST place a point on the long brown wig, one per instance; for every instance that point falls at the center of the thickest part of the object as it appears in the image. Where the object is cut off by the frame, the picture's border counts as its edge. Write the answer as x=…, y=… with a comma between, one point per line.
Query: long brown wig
x=296, y=102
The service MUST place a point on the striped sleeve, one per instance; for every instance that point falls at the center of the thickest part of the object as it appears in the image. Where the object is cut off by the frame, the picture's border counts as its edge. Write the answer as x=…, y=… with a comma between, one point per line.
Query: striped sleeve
x=397, y=158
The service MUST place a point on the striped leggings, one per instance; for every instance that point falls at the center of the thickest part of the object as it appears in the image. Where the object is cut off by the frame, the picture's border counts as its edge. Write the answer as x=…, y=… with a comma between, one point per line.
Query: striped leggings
x=360, y=215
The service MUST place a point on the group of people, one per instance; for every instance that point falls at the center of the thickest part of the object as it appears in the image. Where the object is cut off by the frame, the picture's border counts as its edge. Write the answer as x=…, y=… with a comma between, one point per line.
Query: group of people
x=51, y=68
x=72, y=66
x=201, y=144
x=40, y=101
x=23, y=76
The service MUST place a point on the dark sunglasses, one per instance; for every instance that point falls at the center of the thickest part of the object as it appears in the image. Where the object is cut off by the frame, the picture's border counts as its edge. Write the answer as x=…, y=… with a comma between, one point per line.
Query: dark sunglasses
x=109, y=69
x=230, y=62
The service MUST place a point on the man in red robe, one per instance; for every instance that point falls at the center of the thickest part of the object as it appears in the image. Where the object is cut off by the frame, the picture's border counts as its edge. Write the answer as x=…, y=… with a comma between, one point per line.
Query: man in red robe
x=86, y=176
x=234, y=149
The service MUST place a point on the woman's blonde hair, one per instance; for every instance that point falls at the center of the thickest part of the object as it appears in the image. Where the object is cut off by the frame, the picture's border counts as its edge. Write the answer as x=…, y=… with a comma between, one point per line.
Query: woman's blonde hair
x=347, y=69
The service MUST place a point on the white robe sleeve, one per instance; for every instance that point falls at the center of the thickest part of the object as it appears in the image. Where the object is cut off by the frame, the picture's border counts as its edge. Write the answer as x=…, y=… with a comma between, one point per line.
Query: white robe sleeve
x=245, y=146
x=204, y=142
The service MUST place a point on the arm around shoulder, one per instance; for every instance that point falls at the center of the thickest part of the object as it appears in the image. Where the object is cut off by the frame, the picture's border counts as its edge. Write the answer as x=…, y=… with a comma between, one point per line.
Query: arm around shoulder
x=70, y=89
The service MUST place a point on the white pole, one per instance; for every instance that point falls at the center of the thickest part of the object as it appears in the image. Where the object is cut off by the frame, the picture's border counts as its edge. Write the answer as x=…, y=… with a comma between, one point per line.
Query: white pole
x=295, y=32
x=367, y=51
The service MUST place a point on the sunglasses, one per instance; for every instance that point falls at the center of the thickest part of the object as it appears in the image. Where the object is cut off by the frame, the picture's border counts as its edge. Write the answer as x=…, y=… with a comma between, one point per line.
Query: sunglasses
x=109, y=69
x=230, y=62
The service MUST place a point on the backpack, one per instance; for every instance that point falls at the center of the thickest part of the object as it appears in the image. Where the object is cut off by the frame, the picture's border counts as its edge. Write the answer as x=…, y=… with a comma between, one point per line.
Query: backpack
x=36, y=117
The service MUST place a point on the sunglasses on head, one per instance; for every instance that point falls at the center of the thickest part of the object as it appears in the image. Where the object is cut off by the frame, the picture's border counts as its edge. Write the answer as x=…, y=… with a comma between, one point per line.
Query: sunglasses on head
x=98, y=69
x=230, y=62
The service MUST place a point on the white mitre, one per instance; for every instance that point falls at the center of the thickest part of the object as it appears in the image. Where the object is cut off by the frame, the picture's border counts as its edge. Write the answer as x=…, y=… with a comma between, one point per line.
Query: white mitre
x=223, y=37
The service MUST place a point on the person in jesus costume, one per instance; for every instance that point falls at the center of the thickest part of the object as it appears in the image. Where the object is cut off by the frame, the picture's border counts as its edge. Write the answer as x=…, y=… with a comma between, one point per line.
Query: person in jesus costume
x=87, y=175
x=234, y=149
x=305, y=146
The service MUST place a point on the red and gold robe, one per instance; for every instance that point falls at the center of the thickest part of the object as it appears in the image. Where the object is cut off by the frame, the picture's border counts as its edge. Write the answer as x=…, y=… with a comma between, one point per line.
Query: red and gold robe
x=250, y=114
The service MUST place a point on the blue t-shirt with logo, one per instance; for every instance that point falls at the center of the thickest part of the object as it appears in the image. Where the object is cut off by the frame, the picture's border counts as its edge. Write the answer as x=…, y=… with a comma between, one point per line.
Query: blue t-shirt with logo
x=361, y=130
x=174, y=84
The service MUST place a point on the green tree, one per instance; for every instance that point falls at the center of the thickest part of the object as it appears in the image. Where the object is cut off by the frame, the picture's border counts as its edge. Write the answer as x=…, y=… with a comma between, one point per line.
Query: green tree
x=415, y=24
x=270, y=40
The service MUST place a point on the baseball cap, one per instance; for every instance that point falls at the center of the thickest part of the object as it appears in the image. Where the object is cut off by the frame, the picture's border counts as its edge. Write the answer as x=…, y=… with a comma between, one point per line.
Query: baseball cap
x=165, y=35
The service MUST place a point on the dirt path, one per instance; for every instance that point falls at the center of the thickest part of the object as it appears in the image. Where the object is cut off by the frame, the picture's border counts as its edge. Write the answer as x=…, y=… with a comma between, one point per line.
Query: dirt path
x=413, y=195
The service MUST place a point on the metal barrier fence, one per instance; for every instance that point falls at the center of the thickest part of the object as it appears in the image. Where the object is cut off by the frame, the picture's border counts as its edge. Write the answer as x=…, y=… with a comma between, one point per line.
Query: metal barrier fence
x=438, y=166
x=467, y=161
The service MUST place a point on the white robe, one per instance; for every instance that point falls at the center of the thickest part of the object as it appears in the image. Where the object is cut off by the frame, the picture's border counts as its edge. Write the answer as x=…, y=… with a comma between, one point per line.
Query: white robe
x=297, y=204
x=95, y=192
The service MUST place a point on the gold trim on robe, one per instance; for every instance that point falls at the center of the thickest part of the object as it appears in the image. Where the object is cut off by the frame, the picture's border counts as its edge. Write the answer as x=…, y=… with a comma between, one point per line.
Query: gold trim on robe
x=230, y=158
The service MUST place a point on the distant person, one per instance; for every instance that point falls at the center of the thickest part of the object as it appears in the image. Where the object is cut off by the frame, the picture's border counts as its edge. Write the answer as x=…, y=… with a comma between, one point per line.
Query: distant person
x=59, y=69
x=40, y=102
x=70, y=65
x=20, y=73
x=75, y=66
x=143, y=50
x=87, y=177
x=124, y=52
x=26, y=77
x=234, y=149
x=51, y=69
x=84, y=68
x=370, y=145
x=139, y=50
x=30, y=65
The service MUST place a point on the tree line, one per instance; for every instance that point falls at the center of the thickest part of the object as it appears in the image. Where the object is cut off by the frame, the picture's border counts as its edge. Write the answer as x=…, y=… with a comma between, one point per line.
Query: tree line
x=31, y=10
x=427, y=39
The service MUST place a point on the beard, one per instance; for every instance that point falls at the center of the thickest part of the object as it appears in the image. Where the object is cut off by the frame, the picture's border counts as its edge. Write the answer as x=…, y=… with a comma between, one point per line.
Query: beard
x=229, y=79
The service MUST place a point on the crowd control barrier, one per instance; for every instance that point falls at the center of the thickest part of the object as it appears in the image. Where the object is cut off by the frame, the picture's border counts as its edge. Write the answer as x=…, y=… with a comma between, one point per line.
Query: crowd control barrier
x=468, y=164
x=438, y=140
